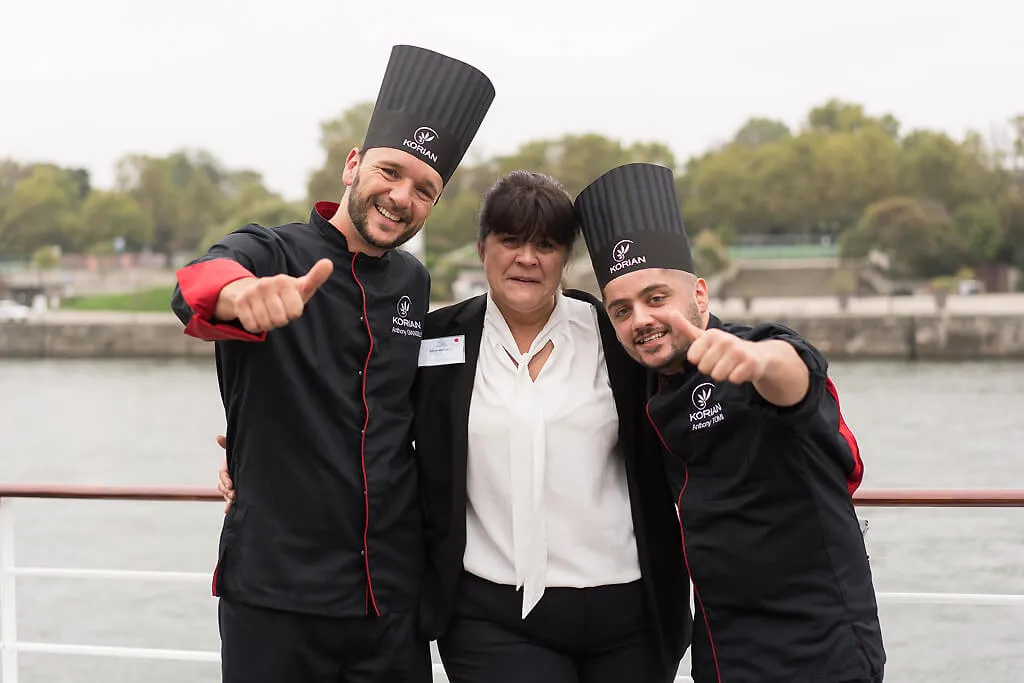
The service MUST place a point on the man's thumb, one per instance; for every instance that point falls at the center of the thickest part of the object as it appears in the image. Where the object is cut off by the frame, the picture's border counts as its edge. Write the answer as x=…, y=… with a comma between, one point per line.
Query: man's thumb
x=316, y=276
x=688, y=328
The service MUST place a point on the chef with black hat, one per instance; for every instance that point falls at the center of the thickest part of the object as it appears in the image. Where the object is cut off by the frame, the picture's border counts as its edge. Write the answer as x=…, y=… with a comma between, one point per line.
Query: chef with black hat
x=764, y=463
x=318, y=328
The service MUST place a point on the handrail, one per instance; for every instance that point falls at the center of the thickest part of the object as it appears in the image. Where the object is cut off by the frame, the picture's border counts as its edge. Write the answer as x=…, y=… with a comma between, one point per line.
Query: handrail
x=107, y=492
x=10, y=644
x=940, y=498
x=865, y=498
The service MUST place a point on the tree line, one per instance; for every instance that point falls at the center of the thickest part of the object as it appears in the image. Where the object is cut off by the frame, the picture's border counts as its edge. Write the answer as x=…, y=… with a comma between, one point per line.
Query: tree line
x=930, y=203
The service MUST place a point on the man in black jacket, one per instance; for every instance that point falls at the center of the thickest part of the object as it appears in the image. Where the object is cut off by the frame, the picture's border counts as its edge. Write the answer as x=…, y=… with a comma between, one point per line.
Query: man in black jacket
x=764, y=462
x=318, y=328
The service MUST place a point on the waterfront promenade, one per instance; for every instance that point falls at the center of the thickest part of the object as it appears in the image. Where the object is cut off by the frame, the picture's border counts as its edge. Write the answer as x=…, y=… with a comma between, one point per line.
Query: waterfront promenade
x=967, y=327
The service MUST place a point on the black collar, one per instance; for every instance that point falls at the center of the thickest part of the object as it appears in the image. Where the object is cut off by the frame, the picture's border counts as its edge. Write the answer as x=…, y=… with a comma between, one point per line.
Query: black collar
x=321, y=216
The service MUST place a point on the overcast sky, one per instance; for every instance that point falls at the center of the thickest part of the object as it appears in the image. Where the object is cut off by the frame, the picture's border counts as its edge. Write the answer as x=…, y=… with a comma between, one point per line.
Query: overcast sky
x=82, y=83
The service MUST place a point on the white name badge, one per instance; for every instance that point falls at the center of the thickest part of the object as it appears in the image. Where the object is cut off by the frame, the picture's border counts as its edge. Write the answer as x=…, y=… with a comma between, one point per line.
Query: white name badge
x=442, y=351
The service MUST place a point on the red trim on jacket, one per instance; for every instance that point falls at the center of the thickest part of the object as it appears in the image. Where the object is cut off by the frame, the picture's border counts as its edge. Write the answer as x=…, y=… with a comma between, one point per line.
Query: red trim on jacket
x=200, y=285
x=854, y=478
x=326, y=209
x=371, y=600
x=682, y=535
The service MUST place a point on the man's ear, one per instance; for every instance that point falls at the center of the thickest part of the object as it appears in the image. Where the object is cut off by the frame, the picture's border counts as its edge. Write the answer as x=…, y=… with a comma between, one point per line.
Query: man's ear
x=348, y=176
x=700, y=292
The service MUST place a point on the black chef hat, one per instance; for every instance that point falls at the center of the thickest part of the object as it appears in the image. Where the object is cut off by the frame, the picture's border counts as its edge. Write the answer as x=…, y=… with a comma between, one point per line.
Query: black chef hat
x=430, y=106
x=631, y=221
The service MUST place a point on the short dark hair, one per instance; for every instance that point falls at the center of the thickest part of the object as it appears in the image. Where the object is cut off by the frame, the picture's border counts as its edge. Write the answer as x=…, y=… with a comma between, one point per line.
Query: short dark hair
x=529, y=206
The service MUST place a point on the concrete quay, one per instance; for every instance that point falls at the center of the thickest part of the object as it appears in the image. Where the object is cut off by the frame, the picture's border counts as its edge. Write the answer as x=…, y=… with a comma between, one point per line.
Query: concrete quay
x=967, y=327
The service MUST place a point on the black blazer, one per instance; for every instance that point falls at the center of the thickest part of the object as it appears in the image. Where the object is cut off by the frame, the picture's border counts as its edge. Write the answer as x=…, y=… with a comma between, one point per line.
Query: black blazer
x=440, y=426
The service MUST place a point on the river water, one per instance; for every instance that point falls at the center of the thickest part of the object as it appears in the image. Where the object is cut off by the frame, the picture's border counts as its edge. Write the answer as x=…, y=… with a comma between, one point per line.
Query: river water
x=153, y=423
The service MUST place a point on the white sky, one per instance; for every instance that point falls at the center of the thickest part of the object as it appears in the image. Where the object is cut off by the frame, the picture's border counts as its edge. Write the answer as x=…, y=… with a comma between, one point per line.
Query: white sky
x=82, y=83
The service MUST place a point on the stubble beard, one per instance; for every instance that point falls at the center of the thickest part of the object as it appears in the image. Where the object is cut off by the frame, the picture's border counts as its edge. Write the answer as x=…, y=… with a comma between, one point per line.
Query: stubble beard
x=679, y=345
x=359, y=211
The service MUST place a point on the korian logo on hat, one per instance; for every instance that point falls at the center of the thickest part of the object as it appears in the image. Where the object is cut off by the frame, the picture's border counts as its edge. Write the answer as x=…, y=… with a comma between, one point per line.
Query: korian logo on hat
x=619, y=253
x=422, y=136
x=620, y=250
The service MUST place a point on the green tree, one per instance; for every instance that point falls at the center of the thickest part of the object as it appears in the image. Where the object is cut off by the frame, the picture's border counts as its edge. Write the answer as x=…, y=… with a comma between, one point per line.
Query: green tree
x=337, y=138
x=759, y=131
x=1011, y=218
x=709, y=254
x=270, y=211
x=39, y=210
x=937, y=167
x=916, y=235
x=106, y=216
x=186, y=194
x=978, y=232
x=151, y=182
x=837, y=116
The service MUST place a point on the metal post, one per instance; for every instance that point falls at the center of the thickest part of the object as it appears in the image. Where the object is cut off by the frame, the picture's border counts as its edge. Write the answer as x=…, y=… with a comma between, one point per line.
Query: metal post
x=8, y=605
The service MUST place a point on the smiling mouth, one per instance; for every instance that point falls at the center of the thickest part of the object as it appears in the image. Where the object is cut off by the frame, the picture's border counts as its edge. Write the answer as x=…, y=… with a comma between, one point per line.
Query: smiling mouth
x=387, y=214
x=650, y=338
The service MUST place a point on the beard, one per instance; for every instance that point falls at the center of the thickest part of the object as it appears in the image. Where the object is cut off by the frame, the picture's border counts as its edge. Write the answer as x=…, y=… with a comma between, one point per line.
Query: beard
x=359, y=208
x=675, y=360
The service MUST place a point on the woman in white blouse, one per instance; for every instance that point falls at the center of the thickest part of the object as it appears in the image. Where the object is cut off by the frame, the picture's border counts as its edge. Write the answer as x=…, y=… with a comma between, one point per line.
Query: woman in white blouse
x=553, y=547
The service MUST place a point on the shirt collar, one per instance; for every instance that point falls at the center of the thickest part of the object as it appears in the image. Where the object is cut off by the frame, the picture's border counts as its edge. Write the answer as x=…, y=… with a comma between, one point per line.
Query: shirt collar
x=556, y=326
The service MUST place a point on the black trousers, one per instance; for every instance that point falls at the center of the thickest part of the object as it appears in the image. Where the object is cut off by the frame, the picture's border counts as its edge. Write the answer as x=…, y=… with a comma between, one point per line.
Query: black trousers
x=268, y=646
x=573, y=635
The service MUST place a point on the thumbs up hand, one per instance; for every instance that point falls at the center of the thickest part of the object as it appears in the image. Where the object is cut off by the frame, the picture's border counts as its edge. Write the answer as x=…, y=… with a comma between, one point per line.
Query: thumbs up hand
x=266, y=303
x=722, y=356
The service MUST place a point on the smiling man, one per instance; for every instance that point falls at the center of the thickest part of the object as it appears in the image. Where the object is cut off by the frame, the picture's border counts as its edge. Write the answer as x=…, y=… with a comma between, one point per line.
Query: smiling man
x=318, y=328
x=764, y=465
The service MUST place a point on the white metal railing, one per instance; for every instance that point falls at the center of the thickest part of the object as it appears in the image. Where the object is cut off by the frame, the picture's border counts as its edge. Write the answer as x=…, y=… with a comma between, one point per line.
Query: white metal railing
x=10, y=645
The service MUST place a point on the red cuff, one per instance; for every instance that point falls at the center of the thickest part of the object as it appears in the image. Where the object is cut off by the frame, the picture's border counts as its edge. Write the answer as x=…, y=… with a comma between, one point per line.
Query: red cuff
x=207, y=331
x=200, y=285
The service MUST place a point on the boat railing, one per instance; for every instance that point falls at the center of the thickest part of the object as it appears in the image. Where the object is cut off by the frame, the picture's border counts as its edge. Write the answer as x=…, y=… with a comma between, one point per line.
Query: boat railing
x=10, y=571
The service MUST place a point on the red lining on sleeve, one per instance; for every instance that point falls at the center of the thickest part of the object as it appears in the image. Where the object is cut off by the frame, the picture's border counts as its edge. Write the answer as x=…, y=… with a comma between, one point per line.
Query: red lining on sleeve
x=854, y=478
x=207, y=331
x=200, y=285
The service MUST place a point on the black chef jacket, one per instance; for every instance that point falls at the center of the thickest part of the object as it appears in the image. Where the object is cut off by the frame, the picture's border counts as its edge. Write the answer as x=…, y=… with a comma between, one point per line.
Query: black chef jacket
x=775, y=552
x=326, y=517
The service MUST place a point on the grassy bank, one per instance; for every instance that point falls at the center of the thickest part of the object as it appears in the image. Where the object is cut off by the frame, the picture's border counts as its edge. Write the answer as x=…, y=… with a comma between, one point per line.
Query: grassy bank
x=156, y=300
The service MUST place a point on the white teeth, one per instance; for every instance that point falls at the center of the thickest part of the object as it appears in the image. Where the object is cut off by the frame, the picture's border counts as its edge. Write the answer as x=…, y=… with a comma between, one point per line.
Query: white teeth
x=651, y=337
x=387, y=214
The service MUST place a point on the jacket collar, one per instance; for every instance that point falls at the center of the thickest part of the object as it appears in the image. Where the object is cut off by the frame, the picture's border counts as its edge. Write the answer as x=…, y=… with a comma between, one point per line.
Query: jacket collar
x=321, y=216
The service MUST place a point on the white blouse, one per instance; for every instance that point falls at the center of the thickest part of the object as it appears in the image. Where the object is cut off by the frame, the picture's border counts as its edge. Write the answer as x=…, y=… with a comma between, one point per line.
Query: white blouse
x=547, y=498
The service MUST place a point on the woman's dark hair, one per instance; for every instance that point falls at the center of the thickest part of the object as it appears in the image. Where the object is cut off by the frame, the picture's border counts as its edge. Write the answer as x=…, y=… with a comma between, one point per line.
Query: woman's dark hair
x=531, y=207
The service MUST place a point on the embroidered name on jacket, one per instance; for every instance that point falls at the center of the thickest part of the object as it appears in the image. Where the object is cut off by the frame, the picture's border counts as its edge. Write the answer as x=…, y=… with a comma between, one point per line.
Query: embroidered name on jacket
x=706, y=410
x=402, y=324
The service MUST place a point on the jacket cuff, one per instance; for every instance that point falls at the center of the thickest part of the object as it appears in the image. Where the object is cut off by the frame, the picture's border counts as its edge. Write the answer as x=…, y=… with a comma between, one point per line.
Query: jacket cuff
x=207, y=331
x=200, y=285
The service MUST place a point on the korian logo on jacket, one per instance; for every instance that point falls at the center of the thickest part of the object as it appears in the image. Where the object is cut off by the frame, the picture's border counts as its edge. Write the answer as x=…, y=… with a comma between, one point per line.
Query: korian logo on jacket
x=401, y=323
x=706, y=412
